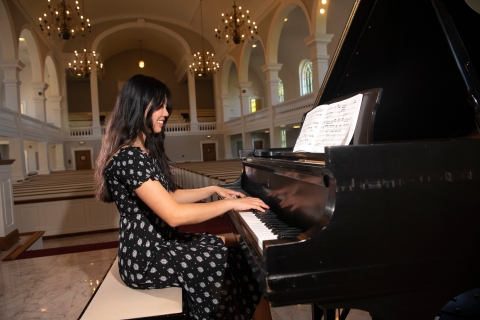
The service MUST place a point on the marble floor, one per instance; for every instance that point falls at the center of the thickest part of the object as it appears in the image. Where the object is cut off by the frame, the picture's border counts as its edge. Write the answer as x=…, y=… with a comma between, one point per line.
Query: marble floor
x=58, y=287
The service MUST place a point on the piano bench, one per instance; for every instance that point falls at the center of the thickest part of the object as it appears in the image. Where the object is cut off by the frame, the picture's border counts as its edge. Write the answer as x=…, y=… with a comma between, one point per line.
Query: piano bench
x=114, y=300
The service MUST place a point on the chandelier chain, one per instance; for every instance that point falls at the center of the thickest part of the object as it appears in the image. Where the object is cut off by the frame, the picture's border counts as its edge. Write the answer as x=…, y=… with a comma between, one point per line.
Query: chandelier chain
x=203, y=63
x=141, y=63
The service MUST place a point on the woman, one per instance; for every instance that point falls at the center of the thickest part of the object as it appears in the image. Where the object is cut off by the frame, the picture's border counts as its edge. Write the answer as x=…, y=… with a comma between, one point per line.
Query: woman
x=133, y=170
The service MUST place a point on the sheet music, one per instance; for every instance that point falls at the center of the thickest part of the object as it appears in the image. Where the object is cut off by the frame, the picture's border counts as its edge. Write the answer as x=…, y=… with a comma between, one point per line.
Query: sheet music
x=329, y=125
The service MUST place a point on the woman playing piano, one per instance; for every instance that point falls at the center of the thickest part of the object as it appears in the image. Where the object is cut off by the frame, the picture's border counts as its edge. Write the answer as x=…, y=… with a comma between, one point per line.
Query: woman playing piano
x=133, y=170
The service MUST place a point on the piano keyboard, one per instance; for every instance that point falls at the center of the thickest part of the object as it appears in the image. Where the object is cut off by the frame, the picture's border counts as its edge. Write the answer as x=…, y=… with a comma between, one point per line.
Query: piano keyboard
x=266, y=226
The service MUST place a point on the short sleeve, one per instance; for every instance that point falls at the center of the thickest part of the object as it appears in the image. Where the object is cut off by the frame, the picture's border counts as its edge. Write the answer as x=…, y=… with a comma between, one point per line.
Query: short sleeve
x=132, y=167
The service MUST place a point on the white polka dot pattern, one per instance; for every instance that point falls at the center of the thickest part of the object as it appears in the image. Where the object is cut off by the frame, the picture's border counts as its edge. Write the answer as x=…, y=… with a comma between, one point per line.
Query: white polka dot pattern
x=216, y=280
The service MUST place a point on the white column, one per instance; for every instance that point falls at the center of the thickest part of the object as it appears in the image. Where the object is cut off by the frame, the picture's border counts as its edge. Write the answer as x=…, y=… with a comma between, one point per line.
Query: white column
x=218, y=102
x=63, y=104
x=55, y=103
x=244, y=96
x=15, y=151
x=7, y=216
x=319, y=57
x=43, y=158
x=192, y=99
x=60, y=158
x=12, y=83
x=271, y=71
x=39, y=100
x=97, y=129
x=12, y=99
x=276, y=137
x=225, y=106
x=247, y=140
x=227, y=142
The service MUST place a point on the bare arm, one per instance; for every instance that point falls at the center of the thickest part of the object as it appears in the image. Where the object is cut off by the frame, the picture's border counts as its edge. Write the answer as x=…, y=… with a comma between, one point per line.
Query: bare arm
x=154, y=195
x=195, y=195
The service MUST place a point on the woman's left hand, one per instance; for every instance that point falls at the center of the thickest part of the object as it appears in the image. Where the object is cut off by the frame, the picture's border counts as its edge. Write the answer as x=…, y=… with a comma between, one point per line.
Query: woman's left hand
x=228, y=194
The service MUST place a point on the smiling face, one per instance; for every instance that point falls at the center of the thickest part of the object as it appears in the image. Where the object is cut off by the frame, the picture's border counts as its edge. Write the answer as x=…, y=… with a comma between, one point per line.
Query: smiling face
x=158, y=117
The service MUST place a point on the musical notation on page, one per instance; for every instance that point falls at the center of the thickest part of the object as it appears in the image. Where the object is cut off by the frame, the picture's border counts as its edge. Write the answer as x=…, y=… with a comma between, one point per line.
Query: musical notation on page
x=329, y=125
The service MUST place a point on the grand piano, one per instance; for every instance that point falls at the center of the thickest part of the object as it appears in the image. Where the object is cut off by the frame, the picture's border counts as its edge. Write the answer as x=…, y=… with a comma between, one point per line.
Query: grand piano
x=389, y=224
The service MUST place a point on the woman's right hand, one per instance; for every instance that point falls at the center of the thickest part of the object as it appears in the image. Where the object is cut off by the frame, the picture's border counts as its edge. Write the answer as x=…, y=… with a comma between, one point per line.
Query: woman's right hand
x=248, y=204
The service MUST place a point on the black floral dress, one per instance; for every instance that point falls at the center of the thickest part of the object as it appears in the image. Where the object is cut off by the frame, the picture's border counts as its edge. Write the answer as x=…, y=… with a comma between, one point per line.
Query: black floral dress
x=216, y=280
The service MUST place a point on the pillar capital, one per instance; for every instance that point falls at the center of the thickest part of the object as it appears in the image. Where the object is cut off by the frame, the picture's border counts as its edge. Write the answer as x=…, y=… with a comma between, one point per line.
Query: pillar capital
x=272, y=67
x=271, y=71
x=56, y=99
x=39, y=85
x=39, y=88
x=315, y=39
x=11, y=68
x=319, y=56
x=244, y=87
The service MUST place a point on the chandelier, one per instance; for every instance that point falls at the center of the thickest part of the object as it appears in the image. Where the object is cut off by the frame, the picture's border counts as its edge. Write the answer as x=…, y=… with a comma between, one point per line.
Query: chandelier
x=238, y=27
x=64, y=21
x=203, y=63
x=84, y=63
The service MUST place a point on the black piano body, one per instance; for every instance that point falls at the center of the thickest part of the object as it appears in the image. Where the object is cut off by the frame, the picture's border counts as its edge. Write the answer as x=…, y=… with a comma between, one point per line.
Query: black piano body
x=391, y=223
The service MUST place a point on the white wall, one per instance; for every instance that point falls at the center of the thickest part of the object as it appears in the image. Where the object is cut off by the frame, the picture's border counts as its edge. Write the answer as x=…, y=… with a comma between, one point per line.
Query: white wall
x=124, y=65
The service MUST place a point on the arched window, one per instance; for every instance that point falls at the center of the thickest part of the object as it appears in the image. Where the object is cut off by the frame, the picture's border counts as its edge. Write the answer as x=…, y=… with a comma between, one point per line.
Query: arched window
x=281, y=93
x=306, y=80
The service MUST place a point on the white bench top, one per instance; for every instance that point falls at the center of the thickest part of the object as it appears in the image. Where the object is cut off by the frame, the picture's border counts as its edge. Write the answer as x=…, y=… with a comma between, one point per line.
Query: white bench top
x=113, y=300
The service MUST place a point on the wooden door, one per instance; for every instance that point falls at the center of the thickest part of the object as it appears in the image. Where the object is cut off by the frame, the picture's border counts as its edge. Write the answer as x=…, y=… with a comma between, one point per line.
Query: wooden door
x=83, y=160
x=257, y=144
x=209, y=153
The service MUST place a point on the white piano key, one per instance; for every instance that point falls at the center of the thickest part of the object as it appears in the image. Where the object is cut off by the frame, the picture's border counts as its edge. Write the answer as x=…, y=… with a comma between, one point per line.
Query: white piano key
x=260, y=232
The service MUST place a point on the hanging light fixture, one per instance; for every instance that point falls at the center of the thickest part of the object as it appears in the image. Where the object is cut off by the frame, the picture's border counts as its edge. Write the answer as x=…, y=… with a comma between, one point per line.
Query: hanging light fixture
x=141, y=63
x=84, y=63
x=203, y=63
x=64, y=21
x=237, y=27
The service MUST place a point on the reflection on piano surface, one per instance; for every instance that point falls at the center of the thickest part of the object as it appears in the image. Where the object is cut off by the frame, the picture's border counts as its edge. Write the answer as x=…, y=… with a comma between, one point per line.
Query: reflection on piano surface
x=391, y=223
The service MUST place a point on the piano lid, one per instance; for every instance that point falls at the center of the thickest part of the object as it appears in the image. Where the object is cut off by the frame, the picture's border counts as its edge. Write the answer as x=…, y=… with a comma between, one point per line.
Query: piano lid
x=425, y=56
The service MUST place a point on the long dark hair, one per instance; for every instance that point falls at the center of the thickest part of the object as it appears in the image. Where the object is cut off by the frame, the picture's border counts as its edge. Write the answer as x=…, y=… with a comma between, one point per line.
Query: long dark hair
x=140, y=96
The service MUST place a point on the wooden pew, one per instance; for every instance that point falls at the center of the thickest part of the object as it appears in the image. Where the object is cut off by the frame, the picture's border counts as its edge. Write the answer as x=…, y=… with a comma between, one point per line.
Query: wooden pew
x=114, y=300
x=191, y=175
x=55, y=186
x=203, y=115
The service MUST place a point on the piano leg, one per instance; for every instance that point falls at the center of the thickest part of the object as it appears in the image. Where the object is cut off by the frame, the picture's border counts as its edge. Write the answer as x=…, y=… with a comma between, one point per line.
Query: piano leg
x=318, y=312
x=344, y=314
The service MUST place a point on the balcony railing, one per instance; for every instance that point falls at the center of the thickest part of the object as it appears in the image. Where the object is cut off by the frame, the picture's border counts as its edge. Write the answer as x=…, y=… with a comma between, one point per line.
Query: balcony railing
x=8, y=123
x=81, y=131
x=10, y=118
x=207, y=126
x=302, y=103
x=177, y=127
x=7, y=115
x=233, y=123
x=258, y=115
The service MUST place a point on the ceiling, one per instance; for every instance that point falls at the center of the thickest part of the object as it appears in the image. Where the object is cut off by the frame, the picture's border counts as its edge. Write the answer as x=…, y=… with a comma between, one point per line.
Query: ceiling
x=171, y=18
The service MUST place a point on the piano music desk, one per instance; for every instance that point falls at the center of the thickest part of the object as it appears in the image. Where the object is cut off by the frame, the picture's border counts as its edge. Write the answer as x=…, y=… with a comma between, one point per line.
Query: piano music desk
x=114, y=300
